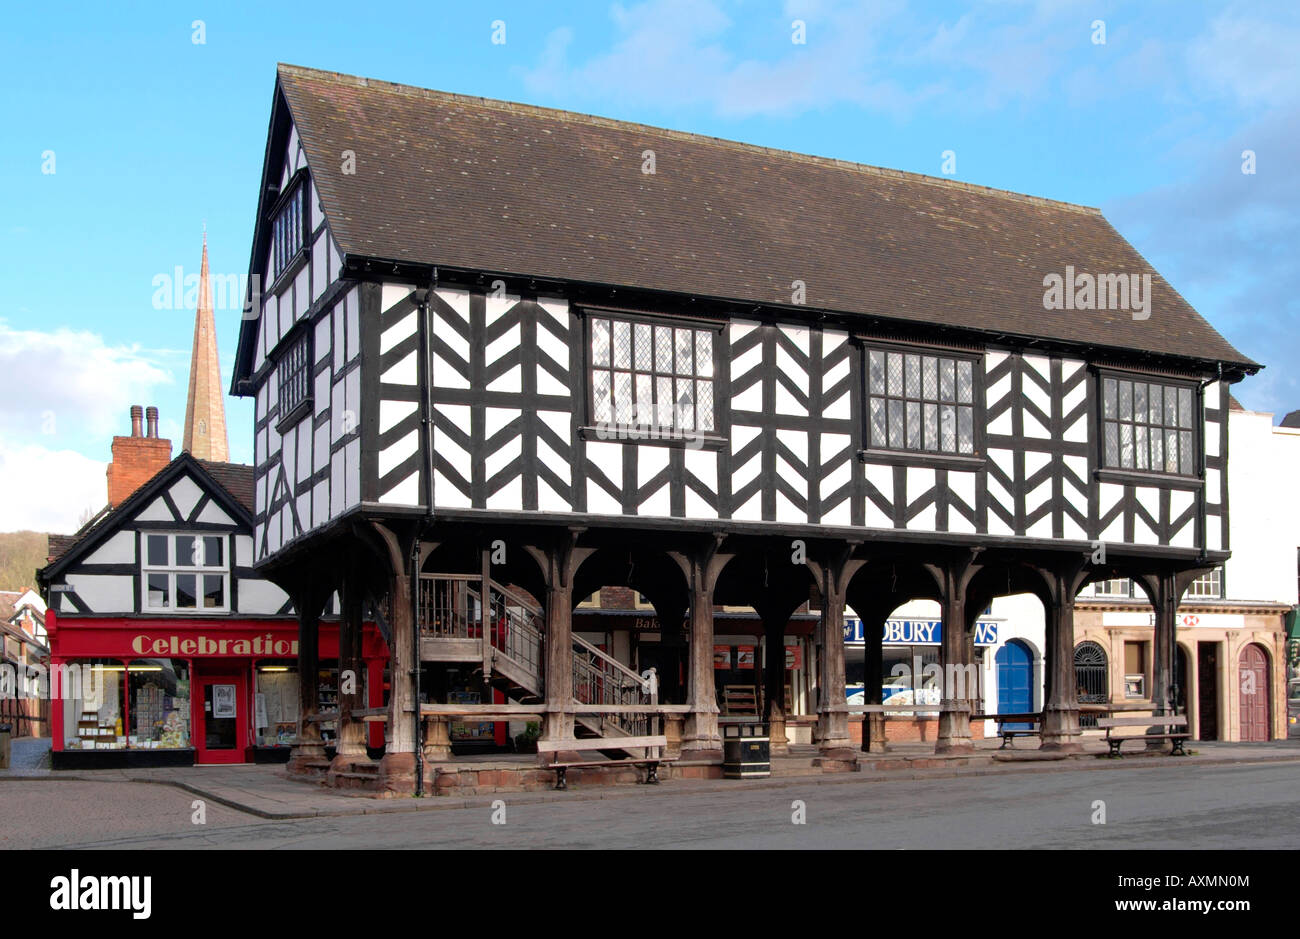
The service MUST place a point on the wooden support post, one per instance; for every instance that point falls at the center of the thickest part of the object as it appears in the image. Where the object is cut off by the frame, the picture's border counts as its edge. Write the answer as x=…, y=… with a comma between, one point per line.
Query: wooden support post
x=774, y=684
x=832, y=706
x=308, y=752
x=398, y=763
x=701, y=739
x=833, y=576
x=559, y=561
x=1060, y=730
x=956, y=660
x=873, y=724
x=1165, y=591
x=351, y=745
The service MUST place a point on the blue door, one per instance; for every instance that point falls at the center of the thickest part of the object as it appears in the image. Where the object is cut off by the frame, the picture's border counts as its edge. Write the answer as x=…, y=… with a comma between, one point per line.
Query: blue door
x=1015, y=680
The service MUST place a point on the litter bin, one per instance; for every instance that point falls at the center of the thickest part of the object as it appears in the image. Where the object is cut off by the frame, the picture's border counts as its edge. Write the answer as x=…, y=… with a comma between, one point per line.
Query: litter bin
x=746, y=751
x=5, y=730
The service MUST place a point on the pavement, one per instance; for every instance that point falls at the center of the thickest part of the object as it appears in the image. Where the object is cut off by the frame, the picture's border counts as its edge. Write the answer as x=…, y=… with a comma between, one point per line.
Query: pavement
x=267, y=792
x=1136, y=804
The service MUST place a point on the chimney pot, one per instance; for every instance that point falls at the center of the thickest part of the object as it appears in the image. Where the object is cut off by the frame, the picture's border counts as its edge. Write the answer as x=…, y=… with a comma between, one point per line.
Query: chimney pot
x=137, y=421
x=151, y=415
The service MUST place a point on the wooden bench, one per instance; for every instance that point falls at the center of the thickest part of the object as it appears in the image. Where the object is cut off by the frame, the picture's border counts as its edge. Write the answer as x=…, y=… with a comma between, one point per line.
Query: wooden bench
x=1009, y=734
x=1167, y=721
x=607, y=743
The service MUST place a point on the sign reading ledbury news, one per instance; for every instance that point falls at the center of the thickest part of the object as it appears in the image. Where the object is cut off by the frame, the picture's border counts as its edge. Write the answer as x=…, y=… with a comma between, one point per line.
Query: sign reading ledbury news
x=918, y=632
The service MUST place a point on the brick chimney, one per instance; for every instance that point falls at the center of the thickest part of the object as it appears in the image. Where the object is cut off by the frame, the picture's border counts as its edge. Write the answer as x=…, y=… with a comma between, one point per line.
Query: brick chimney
x=136, y=459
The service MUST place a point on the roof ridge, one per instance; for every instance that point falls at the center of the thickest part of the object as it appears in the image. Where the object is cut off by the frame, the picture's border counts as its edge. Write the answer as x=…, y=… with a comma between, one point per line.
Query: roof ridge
x=597, y=120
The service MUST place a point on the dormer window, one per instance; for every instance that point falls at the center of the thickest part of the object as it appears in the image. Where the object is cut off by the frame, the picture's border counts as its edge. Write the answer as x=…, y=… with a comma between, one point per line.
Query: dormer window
x=287, y=232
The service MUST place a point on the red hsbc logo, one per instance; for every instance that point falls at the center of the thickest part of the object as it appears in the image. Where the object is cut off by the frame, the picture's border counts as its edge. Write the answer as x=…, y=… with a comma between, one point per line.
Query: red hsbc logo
x=1191, y=619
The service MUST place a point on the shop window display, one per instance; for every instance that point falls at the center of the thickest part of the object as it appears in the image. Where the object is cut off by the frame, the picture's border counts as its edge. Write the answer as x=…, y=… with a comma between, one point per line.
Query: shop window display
x=92, y=701
x=159, y=704
x=277, y=704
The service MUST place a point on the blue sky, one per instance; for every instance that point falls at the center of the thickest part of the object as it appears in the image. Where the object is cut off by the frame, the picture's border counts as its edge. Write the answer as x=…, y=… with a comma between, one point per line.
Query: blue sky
x=154, y=135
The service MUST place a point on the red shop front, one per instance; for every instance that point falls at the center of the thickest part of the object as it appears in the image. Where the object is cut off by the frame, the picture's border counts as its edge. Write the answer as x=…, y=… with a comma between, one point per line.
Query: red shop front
x=158, y=692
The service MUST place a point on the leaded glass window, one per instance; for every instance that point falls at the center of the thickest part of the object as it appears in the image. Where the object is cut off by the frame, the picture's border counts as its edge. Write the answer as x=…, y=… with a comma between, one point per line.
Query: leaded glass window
x=920, y=402
x=652, y=375
x=1147, y=426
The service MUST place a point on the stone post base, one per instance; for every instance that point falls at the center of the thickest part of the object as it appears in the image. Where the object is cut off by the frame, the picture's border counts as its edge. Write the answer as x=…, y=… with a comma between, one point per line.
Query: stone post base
x=673, y=733
x=397, y=773
x=700, y=750
x=437, y=740
x=954, y=728
x=873, y=734
x=837, y=759
x=1061, y=730
x=777, y=742
x=306, y=759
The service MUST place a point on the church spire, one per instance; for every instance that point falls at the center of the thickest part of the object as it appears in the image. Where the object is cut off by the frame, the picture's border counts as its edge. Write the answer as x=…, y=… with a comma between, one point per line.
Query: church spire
x=205, y=410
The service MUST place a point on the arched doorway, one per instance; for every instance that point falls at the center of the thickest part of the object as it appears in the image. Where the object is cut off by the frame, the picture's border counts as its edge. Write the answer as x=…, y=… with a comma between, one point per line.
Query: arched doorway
x=1015, y=664
x=1091, y=678
x=1256, y=712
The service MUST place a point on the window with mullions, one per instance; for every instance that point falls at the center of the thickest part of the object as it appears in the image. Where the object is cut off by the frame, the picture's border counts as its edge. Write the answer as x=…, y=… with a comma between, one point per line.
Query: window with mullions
x=651, y=375
x=186, y=573
x=286, y=233
x=1147, y=426
x=920, y=402
x=1207, y=585
x=1122, y=587
x=294, y=374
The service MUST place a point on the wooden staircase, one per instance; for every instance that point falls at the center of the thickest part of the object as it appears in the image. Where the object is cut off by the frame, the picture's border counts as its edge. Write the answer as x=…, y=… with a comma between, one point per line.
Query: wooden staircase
x=452, y=627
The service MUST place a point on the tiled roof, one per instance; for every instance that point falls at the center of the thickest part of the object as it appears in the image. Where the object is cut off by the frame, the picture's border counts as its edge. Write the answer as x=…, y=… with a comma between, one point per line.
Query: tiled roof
x=235, y=478
x=59, y=544
x=504, y=188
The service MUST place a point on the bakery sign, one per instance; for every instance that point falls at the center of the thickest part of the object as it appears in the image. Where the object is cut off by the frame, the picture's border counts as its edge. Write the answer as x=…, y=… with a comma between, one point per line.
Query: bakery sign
x=149, y=645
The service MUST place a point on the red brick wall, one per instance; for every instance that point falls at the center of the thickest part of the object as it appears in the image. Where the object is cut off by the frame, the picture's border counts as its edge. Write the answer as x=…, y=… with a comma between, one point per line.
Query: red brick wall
x=135, y=461
x=911, y=730
x=617, y=598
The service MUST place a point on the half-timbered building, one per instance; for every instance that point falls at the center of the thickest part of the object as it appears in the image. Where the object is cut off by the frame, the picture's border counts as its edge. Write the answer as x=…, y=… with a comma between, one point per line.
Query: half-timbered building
x=503, y=356
x=166, y=647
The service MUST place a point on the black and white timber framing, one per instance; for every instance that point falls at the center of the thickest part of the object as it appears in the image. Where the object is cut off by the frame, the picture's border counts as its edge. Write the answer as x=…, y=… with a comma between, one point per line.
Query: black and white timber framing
x=102, y=574
x=446, y=401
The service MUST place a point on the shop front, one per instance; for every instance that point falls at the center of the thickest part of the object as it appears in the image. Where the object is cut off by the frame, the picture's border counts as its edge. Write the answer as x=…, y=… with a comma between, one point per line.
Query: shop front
x=910, y=673
x=155, y=692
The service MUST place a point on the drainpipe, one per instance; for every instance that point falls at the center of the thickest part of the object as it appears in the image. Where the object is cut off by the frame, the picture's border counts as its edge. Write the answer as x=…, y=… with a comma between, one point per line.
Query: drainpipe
x=426, y=424
x=415, y=634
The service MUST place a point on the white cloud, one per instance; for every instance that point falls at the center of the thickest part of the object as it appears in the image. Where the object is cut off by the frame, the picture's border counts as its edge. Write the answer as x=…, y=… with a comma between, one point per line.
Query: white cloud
x=72, y=388
x=673, y=54
x=48, y=490
x=1253, y=60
